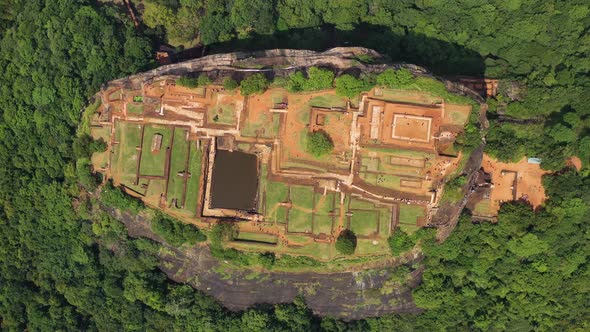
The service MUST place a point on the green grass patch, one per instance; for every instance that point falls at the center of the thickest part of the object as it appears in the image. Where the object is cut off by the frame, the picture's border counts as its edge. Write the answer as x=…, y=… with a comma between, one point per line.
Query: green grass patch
x=103, y=132
x=153, y=163
x=360, y=204
x=364, y=222
x=298, y=239
x=315, y=249
x=371, y=247
x=266, y=126
x=458, y=118
x=409, y=229
x=298, y=164
x=328, y=101
x=302, y=196
x=382, y=180
x=135, y=108
x=324, y=204
x=125, y=157
x=482, y=207
x=280, y=215
x=322, y=224
x=222, y=114
x=141, y=186
x=384, y=221
x=116, y=95
x=192, y=188
x=155, y=189
x=178, y=163
x=408, y=96
x=299, y=221
x=409, y=214
x=275, y=193
x=399, y=152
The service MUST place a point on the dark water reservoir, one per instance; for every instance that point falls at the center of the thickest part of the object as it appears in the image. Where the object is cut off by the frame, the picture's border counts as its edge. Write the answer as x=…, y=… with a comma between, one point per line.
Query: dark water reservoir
x=235, y=180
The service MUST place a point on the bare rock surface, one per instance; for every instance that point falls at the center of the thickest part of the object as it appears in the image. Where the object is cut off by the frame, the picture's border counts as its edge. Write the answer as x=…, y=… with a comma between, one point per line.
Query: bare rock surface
x=347, y=295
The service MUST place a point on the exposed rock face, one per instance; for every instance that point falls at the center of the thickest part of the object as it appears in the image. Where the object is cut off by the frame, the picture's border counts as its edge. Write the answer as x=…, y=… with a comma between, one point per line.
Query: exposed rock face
x=348, y=295
x=282, y=62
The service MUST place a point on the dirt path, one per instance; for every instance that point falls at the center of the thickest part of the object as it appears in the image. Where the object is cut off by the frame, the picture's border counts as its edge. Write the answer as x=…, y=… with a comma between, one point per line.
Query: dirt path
x=346, y=295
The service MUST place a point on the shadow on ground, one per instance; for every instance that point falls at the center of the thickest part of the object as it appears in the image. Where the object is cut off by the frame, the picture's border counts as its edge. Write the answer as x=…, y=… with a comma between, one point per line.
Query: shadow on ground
x=440, y=57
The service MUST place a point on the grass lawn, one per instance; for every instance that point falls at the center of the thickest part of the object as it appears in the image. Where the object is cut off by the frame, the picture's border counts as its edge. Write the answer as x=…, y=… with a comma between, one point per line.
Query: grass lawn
x=116, y=95
x=192, y=188
x=155, y=189
x=279, y=96
x=451, y=151
x=328, y=101
x=417, y=97
x=400, y=152
x=384, y=221
x=103, y=132
x=372, y=247
x=153, y=163
x=141, y=186
x=299, y=221
x=356, y=204
x=315, y=249
x=409, y=214
x=280, y=215
x=100, y=159
x=266, y=126
x=302, y=196
x=134, y=108
x=324, y=204
x=257, y=237
x=322, y=224
x=482, y=207
x=458, y=118
x=299, y=239
x=125, y=157
x=178, y=161
x=297, y=164
x=275, y=193
x=222, y=114
x=249, y=246
x=262, y=180
x=409, y=229
x=364, y=222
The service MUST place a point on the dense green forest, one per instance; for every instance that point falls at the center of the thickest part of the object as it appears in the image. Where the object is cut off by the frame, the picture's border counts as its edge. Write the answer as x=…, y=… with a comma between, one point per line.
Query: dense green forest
x=67, y=266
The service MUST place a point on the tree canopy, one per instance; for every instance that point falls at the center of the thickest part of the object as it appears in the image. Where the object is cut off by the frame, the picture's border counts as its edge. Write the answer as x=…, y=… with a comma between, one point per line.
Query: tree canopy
x=253, y=84
x=68, y=265
x=319, y=143
x=346, y=242
x=350, y=86
x=317, y=79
